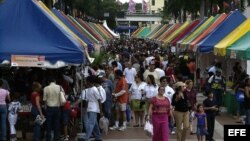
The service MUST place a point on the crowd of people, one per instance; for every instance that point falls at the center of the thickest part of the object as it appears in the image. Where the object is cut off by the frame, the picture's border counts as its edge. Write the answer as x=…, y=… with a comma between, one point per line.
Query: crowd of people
x=143, y=79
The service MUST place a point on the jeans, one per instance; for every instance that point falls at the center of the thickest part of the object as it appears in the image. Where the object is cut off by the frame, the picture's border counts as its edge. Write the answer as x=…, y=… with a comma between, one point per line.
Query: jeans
x=3, y=121
x=247, y=117
x=37, y=127
x=107, y=109
x=53, y=122
x=91, y=126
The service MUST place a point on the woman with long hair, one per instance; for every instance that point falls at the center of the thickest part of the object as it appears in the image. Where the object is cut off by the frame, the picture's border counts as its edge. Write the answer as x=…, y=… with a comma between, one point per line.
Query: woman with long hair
x=36, y=109
x=191, y=96
x=137, y=100
x=4, y=94
x=150, y=90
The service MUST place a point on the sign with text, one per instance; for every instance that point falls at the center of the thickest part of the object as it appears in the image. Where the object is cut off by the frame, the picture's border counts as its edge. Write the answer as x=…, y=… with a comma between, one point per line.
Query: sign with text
x=27, y=60
x=241, y=132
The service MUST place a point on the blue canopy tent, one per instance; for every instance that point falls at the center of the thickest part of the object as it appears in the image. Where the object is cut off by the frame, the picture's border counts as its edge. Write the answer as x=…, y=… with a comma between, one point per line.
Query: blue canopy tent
x=25, y=29
x=229, y=24
x=69, y=25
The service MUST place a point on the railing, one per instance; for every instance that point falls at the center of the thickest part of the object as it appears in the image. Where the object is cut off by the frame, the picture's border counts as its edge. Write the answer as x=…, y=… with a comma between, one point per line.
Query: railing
x=140, y=13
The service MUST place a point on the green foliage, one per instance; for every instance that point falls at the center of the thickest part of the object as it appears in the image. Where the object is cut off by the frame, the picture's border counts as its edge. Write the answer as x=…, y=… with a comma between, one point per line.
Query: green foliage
x=101, y=58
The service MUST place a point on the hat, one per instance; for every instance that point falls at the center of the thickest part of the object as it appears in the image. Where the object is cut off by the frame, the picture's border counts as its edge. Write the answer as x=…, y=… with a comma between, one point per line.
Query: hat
x=101, y=74
x=178, y=84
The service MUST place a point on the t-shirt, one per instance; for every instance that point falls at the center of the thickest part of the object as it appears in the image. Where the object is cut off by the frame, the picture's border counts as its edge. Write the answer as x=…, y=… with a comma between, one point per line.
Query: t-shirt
x=150, y=90
x=92, y=96
x=136, y=90
x=33, y=98
x=122, y=85
x=102, y=93
x=209, y=103
x=14, y=107
x=3, y=94
x=169, y=92
x=130, y=75
x=200, y=119
x=160, y=106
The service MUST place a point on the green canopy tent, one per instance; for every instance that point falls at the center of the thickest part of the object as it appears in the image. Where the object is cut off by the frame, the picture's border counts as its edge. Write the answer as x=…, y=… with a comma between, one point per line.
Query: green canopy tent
x=240, y=49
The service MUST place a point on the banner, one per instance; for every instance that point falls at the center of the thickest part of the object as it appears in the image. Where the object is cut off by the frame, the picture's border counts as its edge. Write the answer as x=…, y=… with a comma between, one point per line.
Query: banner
x=27, y=60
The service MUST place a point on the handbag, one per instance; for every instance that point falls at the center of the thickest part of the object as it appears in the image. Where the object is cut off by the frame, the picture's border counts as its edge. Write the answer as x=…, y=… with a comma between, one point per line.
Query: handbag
x=85, y=101
x=62, y=97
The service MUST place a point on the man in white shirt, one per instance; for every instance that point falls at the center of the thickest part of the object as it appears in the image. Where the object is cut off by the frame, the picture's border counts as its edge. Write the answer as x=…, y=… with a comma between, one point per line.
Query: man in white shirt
x=94, y=107
x=53, y=111
x=129, y=73
x=151, y=70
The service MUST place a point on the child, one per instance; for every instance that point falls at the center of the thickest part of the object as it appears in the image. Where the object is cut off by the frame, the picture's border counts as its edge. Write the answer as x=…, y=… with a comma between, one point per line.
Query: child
x=201, y=130
x=14, y=107
x=210, y=108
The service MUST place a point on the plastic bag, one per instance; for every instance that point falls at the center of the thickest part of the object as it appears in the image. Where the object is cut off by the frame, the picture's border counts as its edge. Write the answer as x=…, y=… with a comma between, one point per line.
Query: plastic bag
x=148, y=128
x=104, y=124
x=240, y=96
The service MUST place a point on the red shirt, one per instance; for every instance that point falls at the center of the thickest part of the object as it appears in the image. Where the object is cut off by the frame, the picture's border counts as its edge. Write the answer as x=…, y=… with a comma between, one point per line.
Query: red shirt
x=160, y=106
x=33, y=98
x=122, y=85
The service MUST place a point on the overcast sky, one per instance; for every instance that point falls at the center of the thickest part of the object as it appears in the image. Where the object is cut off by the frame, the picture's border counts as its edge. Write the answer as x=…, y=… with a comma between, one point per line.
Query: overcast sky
x=137, y=1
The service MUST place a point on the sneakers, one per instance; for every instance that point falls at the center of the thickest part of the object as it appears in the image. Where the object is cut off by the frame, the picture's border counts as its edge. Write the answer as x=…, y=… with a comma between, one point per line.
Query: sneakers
x=123, y=128
x=64, y=138
x=173, y=132
x=114, y=128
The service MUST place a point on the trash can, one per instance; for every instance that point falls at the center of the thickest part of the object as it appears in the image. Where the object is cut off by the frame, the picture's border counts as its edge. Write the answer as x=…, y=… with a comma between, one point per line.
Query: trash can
x=230, y=102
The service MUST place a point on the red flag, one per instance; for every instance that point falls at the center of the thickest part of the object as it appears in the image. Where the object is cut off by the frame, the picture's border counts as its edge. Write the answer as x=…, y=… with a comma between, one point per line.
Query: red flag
x=145, y=6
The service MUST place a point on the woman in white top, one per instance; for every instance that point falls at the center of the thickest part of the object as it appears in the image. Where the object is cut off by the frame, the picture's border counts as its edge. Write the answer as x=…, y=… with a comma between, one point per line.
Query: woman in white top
x=137, y=101
x=4, y=94
x=150, y=90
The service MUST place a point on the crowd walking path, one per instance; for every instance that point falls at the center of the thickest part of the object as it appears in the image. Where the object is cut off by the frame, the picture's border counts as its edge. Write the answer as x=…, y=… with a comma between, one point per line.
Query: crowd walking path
x=137, y=134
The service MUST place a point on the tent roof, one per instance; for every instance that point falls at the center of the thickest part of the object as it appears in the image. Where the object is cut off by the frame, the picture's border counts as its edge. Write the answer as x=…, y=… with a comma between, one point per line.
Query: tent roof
x=175, y=33
x=111, y=32
x=28, y=29
x=198, y=31
x=240, y=49
x=234, y=19
x=185, y=31
x=237, y=33
x=207, y=31
x=73, y=28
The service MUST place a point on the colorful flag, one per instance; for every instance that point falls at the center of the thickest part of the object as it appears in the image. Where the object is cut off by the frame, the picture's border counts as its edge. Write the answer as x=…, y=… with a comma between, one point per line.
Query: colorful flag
x=145, y=6
x=131, y=6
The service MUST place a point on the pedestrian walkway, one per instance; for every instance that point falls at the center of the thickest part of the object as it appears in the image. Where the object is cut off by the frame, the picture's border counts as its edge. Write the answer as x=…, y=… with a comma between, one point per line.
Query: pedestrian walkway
x=137, y=134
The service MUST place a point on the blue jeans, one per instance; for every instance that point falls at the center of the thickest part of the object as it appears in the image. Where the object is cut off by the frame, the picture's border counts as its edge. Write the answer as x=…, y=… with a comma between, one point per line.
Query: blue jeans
x=3, y=121
x=107, y=109
x=53, y=122
x=91, y=126
x=37, y=127
x=247, y=117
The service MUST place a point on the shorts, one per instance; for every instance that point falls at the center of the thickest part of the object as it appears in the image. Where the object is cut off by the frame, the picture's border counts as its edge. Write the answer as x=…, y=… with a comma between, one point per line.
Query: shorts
x=135, y=105
x=65, y=116
x=121, y=106
x=201, y=131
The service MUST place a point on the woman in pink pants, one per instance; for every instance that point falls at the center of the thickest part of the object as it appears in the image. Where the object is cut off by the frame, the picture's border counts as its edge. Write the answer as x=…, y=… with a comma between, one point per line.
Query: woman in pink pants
x=159, y=110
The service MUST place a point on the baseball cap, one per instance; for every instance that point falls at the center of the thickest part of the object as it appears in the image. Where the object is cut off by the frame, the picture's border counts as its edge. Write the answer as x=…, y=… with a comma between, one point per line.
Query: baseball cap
x=101, y=74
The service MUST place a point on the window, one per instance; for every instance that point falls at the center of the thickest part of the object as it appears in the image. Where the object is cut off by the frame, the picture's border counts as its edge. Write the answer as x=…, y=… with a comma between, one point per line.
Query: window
x=153, y=2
